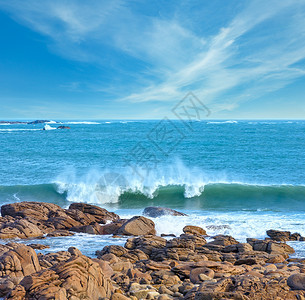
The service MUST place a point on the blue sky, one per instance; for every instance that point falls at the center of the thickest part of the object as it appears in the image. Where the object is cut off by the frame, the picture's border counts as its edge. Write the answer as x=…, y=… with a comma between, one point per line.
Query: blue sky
x=137, y=59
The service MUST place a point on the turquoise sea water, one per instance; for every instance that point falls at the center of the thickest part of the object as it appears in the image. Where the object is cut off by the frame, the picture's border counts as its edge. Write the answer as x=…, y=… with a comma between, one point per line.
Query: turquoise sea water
x=249, y=175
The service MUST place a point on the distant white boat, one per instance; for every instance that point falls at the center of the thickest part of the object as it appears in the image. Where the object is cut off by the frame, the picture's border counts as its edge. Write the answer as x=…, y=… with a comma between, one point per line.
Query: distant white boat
x=48, y=127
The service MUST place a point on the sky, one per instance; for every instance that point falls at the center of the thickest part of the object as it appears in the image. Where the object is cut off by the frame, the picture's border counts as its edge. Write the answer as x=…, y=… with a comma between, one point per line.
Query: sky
x=137, y=59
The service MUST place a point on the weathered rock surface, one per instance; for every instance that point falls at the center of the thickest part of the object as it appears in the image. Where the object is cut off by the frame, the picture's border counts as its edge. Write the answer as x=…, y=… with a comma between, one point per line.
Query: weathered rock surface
x=16, y=261
x=138, y=225
x=37, y=210
x=33, y=219
x=56, y=233
x=79, y=277
x=101, y=215
x=196, y=230
x=296, y=281
x=20, y=228
x=148, y=266
x=156, y=211
x=284, y=236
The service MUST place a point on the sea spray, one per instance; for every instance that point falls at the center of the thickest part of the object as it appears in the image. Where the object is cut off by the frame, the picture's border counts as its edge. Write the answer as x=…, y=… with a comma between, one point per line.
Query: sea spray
x=107, y=186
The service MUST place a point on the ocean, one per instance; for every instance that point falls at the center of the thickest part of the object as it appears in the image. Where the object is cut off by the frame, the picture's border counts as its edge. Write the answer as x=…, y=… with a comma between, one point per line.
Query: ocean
x=248, y=175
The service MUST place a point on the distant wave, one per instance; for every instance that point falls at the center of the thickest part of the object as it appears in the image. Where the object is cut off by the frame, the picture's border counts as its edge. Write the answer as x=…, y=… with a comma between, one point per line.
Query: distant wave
x=223, y=122
x=21, y=129
x=5, y=124
x=82, y=122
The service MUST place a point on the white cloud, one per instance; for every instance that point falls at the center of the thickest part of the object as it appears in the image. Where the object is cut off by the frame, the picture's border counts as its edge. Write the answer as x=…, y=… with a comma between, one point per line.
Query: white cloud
x=253, y=54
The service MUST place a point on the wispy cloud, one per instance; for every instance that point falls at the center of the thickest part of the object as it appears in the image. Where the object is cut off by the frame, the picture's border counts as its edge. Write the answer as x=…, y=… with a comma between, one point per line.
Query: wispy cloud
x=258, y=51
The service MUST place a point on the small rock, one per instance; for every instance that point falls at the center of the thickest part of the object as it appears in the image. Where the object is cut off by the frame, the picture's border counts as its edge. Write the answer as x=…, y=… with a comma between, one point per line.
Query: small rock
x=196, y=230
x=38, y=246
x=296, y=281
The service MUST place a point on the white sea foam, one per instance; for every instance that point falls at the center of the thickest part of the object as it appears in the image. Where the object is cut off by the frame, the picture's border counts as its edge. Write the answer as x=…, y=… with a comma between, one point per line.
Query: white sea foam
x=107, y=186
x=223, y=122
x=21, y=129
x=238, y=224
x=81, y=122
x=51, y=122
x=48, y=127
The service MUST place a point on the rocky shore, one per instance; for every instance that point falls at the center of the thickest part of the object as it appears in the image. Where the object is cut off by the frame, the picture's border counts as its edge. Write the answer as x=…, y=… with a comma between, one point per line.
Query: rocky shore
x=191, y=266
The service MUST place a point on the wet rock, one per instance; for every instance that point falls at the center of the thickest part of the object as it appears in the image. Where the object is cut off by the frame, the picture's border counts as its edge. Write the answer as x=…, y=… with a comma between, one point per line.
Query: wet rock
x=57, y=233
x=112, y=228
x=277, y=235
x=156, y=211
x=283, y=236
x=167, y=235
x=94, y=228
x=63, y=127
x=38, y=246
x=296, y=282
x=138, y=225
x=101, y=215
x=39, y=122
x=196, y=230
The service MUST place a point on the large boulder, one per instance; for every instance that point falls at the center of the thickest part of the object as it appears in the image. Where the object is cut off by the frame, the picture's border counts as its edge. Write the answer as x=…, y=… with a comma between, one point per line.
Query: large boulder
x=101, y=215
x=283, y=236
x=272, y=247
x=36, y=210
x=156, y=211
x=20, y=228
x=33, y=219
x=138, y=225
x=77, y=278
x=18, y=260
